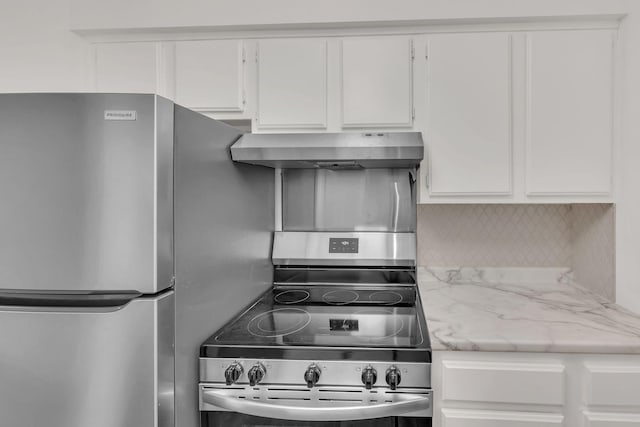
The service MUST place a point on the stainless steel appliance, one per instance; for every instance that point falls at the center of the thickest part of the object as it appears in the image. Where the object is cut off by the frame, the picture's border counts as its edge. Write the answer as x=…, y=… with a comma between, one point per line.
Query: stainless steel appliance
x=127, y=234
x=340, y=339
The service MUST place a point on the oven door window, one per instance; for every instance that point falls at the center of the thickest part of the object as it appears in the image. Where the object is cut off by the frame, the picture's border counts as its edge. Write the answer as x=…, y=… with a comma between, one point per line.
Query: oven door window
x=234, y=419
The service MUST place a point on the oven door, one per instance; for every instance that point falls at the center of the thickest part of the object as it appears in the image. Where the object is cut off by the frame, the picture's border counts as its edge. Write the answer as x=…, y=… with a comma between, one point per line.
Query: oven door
x=334, y=406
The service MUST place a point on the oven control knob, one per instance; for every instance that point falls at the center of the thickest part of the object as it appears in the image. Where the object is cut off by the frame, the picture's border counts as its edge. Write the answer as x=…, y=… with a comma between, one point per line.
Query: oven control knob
x=312, y=375
x=256, y=373
x=369, y=377
x=393, y=377
x=233, y=373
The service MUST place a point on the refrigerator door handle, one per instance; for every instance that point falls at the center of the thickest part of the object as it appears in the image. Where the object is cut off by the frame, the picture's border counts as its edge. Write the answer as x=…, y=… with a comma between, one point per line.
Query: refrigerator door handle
x=52, y=300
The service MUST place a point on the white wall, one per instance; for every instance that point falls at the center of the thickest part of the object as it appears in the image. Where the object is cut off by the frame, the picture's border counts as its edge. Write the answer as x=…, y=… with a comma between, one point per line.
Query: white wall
x=37, y=50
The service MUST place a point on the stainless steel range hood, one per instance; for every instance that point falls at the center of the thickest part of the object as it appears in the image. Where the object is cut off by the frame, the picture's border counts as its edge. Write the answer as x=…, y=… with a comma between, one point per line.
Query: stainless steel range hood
x=330, y=150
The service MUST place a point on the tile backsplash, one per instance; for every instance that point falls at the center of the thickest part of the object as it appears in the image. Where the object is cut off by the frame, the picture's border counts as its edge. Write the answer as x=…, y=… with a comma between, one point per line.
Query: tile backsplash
x=501, y=235
x=593, y=243
x=494, y=235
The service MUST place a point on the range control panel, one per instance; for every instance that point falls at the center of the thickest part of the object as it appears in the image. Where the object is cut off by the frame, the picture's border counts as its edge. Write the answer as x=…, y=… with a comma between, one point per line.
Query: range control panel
x=343, y=245
x=311, y=373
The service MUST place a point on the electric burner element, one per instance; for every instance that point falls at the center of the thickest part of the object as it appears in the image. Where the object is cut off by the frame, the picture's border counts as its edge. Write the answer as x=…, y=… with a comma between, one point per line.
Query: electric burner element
x=291, y=297
x=341, y=297
x=278, y=322
x=394, y=329
x=385, y=298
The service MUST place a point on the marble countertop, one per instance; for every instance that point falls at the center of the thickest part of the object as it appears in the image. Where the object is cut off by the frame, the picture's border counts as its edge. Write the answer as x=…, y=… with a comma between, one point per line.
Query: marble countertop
x=536, y=310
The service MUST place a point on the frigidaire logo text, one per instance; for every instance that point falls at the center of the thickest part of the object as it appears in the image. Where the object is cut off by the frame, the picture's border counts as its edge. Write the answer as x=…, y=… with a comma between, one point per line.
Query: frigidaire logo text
x=120, y=115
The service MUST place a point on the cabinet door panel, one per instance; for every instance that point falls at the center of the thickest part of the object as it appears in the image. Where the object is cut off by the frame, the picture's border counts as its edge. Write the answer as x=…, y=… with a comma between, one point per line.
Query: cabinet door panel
x=569, y=112
x=292, y=83
x=209, y=75
x=468, y=128
x=480, y=418
x=612, y=385
x=377, y=82
x=127, y=67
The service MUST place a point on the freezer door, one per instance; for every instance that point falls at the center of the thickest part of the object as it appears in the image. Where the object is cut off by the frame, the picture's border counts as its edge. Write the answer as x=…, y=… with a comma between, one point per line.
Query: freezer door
x=79, y=367
x=86, y=191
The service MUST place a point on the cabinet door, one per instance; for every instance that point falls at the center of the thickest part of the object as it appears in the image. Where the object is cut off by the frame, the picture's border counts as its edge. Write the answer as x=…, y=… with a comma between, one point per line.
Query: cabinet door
x=292, y=83
x=377, y=82
x=209, y=75
x=127, y=67
x=569, y=135
x=468, y=128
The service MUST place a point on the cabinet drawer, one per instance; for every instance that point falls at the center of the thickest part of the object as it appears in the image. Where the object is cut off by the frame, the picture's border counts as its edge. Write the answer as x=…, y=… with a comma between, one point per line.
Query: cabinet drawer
x=475, y=418
x=603, y=419
x=612, y=385
x=531, y=383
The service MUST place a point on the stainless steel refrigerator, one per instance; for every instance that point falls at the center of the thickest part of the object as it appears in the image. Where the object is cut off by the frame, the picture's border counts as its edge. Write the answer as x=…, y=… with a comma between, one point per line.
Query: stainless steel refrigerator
x=127, y=236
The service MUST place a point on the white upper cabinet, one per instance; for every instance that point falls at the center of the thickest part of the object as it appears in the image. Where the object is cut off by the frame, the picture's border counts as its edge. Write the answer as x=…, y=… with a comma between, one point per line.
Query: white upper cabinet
x=210, y=75
x=292, y=84
x=128, y=67
x=377, y=76
x=468, y=121
x=569, y=130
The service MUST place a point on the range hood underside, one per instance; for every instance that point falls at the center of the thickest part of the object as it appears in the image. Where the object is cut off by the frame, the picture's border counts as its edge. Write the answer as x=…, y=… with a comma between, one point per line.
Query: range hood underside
x=332, y=151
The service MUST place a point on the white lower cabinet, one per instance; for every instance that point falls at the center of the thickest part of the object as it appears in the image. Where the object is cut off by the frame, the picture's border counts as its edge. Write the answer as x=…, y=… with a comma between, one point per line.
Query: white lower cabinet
x=493, y=389
x=478, y=418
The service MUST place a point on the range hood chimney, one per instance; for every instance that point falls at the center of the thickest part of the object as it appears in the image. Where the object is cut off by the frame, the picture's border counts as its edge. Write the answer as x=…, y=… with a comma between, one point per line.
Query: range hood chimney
x=330, y=150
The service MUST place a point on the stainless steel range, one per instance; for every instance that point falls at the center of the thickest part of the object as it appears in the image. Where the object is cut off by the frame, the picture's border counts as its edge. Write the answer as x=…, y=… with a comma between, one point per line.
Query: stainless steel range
x=340, y=338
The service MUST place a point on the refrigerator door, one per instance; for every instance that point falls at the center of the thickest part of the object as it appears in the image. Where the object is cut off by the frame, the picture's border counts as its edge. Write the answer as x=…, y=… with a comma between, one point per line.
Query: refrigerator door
x=87, y=194
x=224, y=218
x=79, y=367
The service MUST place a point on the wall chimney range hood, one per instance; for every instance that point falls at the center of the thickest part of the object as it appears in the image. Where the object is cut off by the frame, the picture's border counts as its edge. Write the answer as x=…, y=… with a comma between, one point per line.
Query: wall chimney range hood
x=330, y=150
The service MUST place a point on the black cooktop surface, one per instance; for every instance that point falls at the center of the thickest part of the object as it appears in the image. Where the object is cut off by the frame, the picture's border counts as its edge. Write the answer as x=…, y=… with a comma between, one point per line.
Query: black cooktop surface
x=336, y=322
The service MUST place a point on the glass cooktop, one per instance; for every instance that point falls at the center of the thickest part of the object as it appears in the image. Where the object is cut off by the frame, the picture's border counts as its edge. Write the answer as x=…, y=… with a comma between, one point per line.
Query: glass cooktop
x=342, y=319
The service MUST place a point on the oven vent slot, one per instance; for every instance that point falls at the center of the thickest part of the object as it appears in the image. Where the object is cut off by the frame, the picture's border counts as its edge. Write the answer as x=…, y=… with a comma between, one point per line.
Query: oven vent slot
x=403, y=392
x=287, y=398
x=341, y=395
x=290, y=394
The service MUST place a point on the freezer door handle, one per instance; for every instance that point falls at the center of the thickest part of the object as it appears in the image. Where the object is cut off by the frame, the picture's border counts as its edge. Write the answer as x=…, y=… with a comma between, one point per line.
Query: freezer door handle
x=405, y=403
x=91, y=300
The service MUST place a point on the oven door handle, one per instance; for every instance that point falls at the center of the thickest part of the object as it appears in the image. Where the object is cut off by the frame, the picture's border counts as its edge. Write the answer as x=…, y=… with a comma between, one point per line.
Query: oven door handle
x=405, y=403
